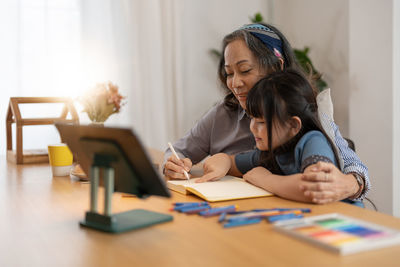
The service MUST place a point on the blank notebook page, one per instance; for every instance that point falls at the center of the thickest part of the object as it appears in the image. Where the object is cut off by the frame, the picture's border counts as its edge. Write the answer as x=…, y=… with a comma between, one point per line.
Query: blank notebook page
x=228, y=187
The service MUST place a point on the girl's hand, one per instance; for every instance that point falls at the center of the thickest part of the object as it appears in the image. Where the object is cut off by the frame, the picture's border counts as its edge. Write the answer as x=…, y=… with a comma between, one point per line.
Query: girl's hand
x=256, y=176
x=215, y=167
x=174, y=167
x=325, y=183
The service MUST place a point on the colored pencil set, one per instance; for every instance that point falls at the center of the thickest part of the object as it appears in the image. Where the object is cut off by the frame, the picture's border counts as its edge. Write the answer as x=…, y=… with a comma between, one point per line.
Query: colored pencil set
x=339, y=233
x=231, y=217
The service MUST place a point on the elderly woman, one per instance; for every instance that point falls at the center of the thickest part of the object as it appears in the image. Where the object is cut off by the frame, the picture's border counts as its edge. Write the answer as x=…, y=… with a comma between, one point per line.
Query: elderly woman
x=249, y=54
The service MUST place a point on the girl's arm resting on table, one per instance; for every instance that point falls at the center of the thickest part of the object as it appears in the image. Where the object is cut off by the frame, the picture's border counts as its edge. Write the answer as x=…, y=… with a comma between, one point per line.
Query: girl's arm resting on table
x=320, y=190
x=218, y=166
x=287, y=186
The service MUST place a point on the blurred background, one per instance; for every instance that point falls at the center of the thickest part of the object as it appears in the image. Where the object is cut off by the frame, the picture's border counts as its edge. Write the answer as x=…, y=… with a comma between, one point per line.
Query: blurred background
x=158, y=53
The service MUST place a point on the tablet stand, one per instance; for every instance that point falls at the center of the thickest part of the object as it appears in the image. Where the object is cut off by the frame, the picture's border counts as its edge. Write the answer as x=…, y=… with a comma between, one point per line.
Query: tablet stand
x=109, y=222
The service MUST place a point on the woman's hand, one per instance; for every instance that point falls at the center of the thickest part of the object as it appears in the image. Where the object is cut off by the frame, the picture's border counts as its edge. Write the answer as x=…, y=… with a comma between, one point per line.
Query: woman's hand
x=174, y=167
x=215, y=167
x=325, y=183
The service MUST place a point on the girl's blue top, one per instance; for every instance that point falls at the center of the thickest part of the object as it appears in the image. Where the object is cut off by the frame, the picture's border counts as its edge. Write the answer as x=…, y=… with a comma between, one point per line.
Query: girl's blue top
x=310, y=149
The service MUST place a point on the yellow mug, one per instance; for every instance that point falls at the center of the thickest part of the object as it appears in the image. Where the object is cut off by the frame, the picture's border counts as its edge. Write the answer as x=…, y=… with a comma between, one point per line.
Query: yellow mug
x=60, y=158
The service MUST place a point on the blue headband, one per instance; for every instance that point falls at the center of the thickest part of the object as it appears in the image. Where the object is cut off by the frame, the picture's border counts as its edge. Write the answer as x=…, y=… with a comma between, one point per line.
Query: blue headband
x=267, y=36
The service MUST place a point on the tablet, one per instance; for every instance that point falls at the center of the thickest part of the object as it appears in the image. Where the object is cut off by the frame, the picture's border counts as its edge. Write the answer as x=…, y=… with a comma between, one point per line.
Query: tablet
x=134, y=171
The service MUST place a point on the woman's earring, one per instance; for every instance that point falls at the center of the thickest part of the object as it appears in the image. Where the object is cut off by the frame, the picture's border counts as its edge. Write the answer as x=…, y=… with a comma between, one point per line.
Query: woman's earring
x=282, y=62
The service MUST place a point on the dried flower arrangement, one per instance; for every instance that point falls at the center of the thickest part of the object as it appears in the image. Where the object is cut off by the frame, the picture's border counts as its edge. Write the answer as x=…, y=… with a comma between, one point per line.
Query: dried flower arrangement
x=101, y=102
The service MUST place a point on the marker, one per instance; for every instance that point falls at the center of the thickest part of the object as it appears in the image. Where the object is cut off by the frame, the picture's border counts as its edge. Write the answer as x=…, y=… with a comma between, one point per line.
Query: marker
x=176, y=155
x=303, y=210
x=242, y=222
x=242, y=218
x=263, y=214
x=236, y=212
x=249, y=215
x=260, y=210
x=181, y=208
x=192, y=210
x=284, y=217
x=222, y=217
x=217, y=211
x=180, y=204
x=239, y=219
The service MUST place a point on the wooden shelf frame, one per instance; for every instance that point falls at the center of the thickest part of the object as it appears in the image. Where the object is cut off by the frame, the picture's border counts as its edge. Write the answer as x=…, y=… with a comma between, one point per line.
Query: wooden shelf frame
x=14, y=116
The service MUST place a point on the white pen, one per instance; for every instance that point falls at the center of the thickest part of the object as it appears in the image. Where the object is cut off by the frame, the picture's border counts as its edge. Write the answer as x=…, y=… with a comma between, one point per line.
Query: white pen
x=176, y=155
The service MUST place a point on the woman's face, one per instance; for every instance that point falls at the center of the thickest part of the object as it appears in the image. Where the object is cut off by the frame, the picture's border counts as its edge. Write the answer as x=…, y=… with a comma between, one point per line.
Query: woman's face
x=280, y=133
x=242, y=69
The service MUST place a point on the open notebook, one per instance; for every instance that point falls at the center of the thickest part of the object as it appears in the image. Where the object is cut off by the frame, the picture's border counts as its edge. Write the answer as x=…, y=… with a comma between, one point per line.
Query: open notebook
x=227, y=188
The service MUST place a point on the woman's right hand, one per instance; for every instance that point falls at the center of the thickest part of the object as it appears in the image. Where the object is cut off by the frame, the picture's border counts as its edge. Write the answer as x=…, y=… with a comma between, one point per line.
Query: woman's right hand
x=174, y=167
x=325, y=183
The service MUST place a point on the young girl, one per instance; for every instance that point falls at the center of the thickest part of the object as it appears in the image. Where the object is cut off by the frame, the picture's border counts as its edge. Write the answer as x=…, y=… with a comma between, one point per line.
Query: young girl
x=288, y=135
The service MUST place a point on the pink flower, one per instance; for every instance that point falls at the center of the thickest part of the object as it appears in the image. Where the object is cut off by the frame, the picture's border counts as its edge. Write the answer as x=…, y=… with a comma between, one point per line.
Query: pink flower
x=277, y=53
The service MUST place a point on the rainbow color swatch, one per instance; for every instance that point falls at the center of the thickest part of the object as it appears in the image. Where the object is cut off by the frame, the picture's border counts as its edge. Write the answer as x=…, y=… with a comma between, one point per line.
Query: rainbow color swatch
x=339, y=233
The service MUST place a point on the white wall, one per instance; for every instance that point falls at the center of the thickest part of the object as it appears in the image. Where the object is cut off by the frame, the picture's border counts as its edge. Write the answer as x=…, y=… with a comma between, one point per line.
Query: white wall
x=396, y=108
x=322, y=25
x=372, y=96
x=356, y=45
x=204, y=24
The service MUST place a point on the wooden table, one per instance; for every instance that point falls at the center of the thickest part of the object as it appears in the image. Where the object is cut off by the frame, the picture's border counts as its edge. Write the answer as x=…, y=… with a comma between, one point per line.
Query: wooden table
x=39, y=227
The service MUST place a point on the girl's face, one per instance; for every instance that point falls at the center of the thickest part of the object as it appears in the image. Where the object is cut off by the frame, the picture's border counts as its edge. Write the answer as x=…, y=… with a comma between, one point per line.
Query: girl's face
x=242, y=69
x=280, y=133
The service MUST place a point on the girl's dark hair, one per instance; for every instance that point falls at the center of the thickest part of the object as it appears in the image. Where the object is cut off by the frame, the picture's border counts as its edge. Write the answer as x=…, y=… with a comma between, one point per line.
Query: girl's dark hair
x=277, y=98
x=266, y=58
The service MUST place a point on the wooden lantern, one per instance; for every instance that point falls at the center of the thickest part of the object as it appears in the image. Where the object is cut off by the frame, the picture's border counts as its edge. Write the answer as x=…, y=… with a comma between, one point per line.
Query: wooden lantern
x=21, y=156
